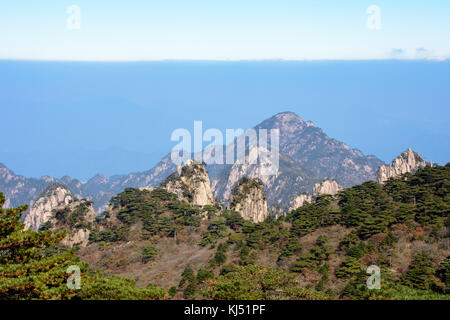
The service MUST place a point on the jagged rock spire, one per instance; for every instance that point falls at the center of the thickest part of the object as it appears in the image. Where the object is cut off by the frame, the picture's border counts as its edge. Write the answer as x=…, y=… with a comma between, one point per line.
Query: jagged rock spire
x=407, y=161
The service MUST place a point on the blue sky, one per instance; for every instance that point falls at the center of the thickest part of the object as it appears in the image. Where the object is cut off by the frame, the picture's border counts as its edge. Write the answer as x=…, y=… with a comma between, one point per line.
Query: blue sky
x=111, y=114
x=224, y=30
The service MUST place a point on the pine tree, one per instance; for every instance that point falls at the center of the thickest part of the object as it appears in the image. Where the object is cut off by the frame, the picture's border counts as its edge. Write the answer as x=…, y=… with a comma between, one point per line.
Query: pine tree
x=420, y=273
x=27, y=269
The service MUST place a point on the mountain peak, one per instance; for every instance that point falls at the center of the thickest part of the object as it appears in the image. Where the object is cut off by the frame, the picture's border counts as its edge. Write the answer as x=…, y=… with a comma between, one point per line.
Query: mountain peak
x=55, y=187
x=288, y=116
x=407, y=161
x=288, y=121
x=48, y=179
x=315, y=151
x=98, y=179
x=411, y=157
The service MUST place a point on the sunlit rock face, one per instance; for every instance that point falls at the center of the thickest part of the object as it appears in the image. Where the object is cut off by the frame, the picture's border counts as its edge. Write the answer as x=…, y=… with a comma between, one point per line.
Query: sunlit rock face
x=57, y=209
x=299, y=201
x=53, y=197
x=191, y=183
x=248, y=198
x=328, y=186
x=408, y=161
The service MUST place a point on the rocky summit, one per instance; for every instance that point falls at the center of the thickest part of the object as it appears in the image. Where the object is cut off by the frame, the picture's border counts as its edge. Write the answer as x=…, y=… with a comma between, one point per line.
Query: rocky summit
x=249, y=200
x=323, y=156
x=58, y=209
x=328, y=186
x=53, y=197
x=407, y=162
x=191, y=183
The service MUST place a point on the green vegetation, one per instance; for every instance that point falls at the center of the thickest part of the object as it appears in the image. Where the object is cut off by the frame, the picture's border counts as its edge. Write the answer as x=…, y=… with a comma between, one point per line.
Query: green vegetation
x=99, y=287
x=220, y=257
x=158, y=210
x=421, y=272
x=25, y=273
x=148, y=253
x=349, y=267
x=189, y=282
x=73, y=219
x=256, y=283
x=114, y=234
x=242, y=188
x=32, y=266
x=46, y=226
x=216, y=230
x=315, y=258
x=443, y=273
x=173, y=291
x=309, y=217
x=319, y=251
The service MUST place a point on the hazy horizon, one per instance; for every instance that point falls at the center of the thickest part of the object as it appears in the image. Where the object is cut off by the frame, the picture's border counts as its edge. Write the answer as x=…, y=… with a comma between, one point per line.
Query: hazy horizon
x=80, y=119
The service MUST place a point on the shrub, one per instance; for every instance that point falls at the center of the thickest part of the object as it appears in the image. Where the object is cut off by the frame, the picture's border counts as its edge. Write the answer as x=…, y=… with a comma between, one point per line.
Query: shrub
x=420, y=273
x=148, y=253
x=190, y=290
x=99, y=287
x=349, y=267
x=203, y=275
x=46, y=226
x=256, y=283
x=187, y=276
x=220, y=256
x=443, y=272
x=216, y=230
x=173, y=291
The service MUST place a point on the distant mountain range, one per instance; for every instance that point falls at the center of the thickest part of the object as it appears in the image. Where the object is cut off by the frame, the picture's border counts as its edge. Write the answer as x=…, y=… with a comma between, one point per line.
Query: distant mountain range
x=307, y=156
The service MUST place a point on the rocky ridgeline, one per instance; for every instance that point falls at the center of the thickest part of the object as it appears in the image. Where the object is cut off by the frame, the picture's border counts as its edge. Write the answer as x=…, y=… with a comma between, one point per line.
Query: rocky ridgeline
x=307, y=155
x=191, y=184
x=407, y=162
x=321, y=155
x=249, y=199
x=58, y=209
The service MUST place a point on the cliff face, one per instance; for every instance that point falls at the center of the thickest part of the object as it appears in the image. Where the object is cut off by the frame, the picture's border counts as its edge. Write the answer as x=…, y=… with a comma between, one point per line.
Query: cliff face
x=58, y=209
x=407, y=161
x=328, y=186
x=53, y=197
x=290, y=176
x=191, y=183
x=299, y=201
x=276, y=211
x=249, y=199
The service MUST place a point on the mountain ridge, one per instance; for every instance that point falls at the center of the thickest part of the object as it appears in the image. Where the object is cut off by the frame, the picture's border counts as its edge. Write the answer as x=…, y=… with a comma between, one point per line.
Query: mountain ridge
x=307, y=156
